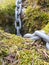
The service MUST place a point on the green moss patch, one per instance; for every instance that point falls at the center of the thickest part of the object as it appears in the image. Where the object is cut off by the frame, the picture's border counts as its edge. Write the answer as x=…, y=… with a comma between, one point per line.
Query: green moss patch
x=22, y=51
x=35, y=19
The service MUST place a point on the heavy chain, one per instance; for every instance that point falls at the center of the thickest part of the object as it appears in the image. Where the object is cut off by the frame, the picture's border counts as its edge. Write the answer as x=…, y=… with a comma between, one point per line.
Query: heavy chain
x=18, y=11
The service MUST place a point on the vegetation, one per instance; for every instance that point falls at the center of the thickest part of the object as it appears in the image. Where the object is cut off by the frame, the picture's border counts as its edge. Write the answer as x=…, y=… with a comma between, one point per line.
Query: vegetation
x=15, y=50
x=33, y=16
x=46, y=28
x=35, y=19
x=7, y=9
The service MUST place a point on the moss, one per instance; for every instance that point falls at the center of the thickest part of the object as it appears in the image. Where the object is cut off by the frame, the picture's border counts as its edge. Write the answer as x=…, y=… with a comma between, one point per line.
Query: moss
x=0, y=63
x=35, y=19
x=8, y=40
x=7, y=12
x=43, y=3
x=46, y=29
x=27, y=54
x=27, y=51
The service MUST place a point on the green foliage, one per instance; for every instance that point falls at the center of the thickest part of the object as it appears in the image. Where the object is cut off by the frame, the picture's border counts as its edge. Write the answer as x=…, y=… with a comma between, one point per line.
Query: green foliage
x=41, y=3
x=0, y=63
x=7, y=11
x=44, y=3
x=46, y=29
x=27, y=54
x=9, y=43
x=35, y=19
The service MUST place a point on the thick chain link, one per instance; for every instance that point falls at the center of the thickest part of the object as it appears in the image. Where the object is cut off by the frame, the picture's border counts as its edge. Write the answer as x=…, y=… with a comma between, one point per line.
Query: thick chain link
x=18, y=11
